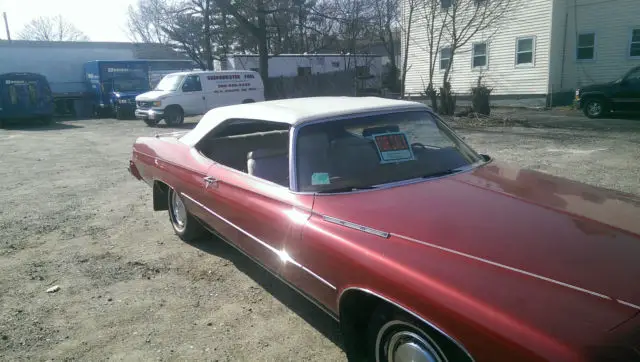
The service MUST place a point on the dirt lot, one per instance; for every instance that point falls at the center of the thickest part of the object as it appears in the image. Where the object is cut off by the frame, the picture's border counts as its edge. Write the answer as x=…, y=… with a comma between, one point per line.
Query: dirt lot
x=72, y=216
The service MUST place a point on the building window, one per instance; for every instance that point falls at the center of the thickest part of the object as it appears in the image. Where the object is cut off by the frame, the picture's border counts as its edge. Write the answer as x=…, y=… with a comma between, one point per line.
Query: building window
x=525, y=51
x=479, y=55
x=634, y=48
x=304, y=71
x=586, y=49
x=445, y=4
x=445, y=57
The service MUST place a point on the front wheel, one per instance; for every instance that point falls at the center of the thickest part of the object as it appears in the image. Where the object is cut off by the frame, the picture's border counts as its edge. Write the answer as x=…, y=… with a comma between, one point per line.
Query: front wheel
x=119, y=113
x=594, y=108
x=174, y=116
x=187, y=227
x=398, y=337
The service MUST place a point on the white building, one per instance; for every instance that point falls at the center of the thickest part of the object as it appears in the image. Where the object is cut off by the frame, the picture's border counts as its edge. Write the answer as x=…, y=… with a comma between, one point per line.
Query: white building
x=541, y=52
x=291, y=65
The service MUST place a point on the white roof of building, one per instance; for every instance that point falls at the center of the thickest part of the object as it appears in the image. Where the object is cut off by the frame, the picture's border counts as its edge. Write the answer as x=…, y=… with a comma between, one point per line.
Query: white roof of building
x=296, y=111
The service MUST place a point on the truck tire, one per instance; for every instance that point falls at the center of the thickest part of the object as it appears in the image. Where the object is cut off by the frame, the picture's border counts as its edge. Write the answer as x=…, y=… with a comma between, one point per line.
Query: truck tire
x=595, y=108
x=119, y=113
x=173, y=116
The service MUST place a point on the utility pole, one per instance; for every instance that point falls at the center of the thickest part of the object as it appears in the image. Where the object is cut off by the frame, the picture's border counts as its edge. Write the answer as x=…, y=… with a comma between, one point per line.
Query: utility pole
x=6, y=25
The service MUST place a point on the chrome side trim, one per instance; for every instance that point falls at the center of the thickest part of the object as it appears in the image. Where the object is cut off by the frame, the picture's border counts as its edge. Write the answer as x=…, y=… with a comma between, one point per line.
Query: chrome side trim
x=282, y=254
x=305, y=295
x=557, y=282
x=421, y=319
x=355, y=226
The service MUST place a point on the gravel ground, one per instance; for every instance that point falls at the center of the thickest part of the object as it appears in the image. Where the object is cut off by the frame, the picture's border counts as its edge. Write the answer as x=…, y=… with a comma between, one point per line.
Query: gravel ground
x=72, y=216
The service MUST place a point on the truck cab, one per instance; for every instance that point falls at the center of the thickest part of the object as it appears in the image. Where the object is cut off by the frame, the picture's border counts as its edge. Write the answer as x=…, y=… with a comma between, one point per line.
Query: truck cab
x=621, y=95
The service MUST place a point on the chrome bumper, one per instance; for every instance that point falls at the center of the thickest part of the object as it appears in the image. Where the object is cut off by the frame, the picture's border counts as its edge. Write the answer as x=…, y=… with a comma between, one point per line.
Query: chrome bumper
x=149, y=114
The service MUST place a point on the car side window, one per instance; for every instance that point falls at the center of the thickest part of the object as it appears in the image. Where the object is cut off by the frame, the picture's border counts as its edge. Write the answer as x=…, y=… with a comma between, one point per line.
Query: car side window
x=258, y=148
x=192, y=84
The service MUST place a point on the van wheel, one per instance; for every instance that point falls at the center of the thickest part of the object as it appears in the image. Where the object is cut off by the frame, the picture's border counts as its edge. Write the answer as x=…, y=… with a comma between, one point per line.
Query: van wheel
x=174, y=116
x=248, y=101
x=151, y=122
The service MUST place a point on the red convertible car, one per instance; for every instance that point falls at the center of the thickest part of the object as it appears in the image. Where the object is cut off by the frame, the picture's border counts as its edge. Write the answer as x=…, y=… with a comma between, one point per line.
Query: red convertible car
x=421, y=248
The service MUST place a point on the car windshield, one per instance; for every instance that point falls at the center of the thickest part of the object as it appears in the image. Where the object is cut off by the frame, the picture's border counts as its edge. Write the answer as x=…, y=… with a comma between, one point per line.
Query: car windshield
x=130, y=85
x=365, y=152
x=170, y=82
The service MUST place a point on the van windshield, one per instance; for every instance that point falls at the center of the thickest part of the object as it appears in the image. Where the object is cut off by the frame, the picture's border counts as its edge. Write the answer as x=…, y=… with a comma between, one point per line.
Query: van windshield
x=170, y=82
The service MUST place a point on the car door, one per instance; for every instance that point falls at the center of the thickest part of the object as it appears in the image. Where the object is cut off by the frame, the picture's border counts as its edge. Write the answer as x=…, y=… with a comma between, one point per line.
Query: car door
x=627, y=97
x=193, y=99
x=259, y=217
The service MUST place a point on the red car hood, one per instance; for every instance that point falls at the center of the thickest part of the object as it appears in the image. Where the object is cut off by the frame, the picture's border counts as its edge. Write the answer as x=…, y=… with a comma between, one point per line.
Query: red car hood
x=570, y=233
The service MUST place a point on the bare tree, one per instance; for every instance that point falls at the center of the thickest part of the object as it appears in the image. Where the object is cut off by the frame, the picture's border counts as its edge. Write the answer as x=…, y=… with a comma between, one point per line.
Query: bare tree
x=146, y=19
x=386, y=20
x=433, y=27
x=54, y=28
x=408, y=20
x=463, y=20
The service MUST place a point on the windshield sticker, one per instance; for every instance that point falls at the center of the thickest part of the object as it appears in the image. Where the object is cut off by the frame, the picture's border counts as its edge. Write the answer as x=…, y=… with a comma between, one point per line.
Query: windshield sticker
x=393, y=147
x=320, y=178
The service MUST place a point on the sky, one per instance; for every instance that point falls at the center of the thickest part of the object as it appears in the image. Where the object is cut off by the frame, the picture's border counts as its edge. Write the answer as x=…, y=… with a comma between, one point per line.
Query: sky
x=100, y=20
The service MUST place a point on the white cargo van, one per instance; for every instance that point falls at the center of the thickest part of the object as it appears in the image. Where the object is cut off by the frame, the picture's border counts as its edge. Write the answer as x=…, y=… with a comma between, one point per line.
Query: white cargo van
x=194, y=93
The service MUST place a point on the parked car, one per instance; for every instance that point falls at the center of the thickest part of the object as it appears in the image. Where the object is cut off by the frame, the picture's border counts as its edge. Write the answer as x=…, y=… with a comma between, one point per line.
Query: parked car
x=194, y=93
x=422, y=249
x=621, y=95
x=25, y=96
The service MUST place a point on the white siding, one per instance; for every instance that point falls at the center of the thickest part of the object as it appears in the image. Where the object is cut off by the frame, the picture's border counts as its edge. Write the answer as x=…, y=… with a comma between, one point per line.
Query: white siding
x=531, y=18
x=612, y=21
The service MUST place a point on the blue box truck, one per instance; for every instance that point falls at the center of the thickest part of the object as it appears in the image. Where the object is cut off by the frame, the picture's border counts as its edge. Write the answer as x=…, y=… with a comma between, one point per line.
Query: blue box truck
x=114, y=84
x=25, y=96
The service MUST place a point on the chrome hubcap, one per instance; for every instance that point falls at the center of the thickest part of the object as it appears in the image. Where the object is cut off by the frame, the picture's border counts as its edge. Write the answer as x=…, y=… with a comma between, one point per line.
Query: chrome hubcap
x=595, y=108
x=179, y=211
x=404, y=345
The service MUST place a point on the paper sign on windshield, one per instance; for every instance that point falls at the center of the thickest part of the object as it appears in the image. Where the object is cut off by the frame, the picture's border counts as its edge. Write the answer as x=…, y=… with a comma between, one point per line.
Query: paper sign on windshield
x=393, y=147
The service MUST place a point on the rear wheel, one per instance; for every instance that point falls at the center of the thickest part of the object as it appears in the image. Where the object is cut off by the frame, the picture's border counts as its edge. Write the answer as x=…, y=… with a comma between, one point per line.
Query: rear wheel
x=174, y=116
x=595, y=108
x=187, y=227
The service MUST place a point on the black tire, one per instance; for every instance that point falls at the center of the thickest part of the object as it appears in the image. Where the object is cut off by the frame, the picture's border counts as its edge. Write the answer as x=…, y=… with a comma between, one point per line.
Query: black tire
x=151, y=122
x=187, y=227
x=173, y=116
x=595, y=108
x=248, y=101
x=392, y=331
x=48, y=120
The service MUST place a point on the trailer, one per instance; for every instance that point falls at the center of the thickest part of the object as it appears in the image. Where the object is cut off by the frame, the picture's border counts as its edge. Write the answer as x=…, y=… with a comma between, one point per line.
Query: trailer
x=62, y=63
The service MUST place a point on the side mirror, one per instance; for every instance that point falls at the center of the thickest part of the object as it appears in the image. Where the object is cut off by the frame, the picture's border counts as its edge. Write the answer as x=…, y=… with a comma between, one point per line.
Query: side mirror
x=485, y=158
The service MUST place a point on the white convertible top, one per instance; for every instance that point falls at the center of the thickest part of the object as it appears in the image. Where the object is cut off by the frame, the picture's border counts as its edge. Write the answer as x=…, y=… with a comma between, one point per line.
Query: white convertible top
x=295, y=111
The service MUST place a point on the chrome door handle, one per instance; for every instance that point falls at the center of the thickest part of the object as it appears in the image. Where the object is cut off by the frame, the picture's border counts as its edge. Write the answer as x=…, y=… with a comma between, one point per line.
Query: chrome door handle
x=209, y=180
